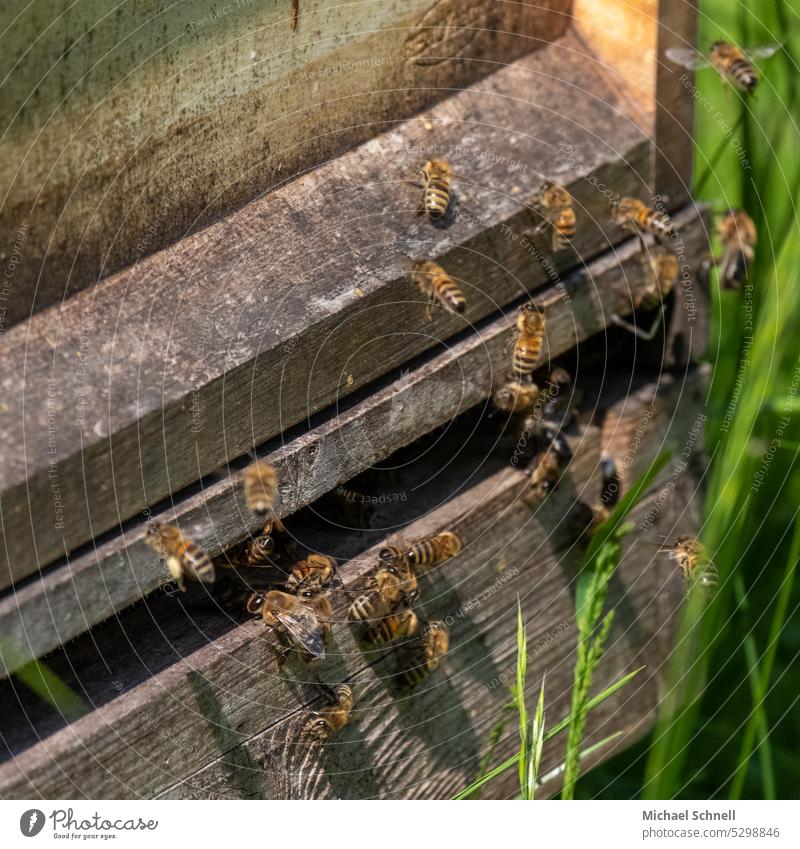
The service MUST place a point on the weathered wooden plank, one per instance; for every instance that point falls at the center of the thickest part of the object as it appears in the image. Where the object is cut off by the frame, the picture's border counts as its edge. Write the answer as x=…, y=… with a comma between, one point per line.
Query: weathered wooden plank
x=155, y=120
x=162, y=373
x=224, y=693
x=85, y=590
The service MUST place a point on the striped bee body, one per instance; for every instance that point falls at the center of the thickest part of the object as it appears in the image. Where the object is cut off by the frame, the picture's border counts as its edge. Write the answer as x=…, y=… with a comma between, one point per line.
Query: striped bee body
x=664, y=272
x=328, y=721
x=433, y=550
x=261, y=488
x=433, y=281
x=311, y=575
x=733, y=65
x=437, y=177
x=516, y=397
x=555, y=205
x=184, y=558
x=634, y=215
x=530, y=340
x=425, y=654
x=393, y=627
x=387, y=591
x=564, y=228
x=738, y=234
x=695, y=564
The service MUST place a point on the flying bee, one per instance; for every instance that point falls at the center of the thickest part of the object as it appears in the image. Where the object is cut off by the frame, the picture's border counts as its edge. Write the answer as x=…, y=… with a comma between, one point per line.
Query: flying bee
x=312, y=574
x=390, y=588
x=609, y=491
x=396, y=626
x=433, y=550
x=184, y=558
x=529, y=341
x=691, y=556
x=555, y=204
x=259, y=549
x=261, y=491
x=550, y=467
x=514, y=397
x=436, y=180
x=662, y=271
x=639, y=218
x=433, y=281
x=304, y=621
x=738, y=235
x=329, y=720
x=424, y=654
x=734, y=65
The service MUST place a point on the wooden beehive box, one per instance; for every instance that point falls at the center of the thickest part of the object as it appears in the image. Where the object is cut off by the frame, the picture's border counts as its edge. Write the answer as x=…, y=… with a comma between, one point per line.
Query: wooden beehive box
x=253, y=221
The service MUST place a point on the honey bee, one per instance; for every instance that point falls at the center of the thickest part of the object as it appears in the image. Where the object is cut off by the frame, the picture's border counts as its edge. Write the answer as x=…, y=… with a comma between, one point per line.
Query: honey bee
x=312, y=574
x=530, y=339
x=550, y=467
x=637, y=217
x=391, y=587
x=556, y=411
x=398, y=625
x=259, y=549
x=734, y=65
x=433, y=550
x=436, y=179
x=514, y=397
x=433, y=281
x=328, y=721
x=304, y=621
x=184, y=558
x=695, y=564
x=738, y=235
x=424, y=654
x=261, y=491
x=662, y=270
x=555, y=203
x=609, y=491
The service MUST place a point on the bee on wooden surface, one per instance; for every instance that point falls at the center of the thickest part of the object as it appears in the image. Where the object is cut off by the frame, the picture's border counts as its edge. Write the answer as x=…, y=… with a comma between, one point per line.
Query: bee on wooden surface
x=184, y=558
x=433, y=550
x=738, y=235
x=515, y=397
x=329, y=720
x=555, y=204
x=433, y=281
x=662, y=271
x=556, y=410
x=389, y=588
x=261, y=491
x=637, y=217
x=311, y=575
x=436, y=180
x=691, y=556
x=395, y=626
x=529, y=341
x=258, y=550
x=424, y=654
x=734, y=65
x=303, y=621
x=394, y=556
x=550, y=467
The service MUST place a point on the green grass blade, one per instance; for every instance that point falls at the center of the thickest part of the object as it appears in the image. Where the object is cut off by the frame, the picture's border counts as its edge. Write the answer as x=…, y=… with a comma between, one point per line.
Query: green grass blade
x=549, y=735
x=519, y=698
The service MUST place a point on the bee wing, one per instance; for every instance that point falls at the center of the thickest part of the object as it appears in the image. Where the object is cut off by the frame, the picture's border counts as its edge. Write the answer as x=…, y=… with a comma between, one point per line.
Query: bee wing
x=687, y=57
x=304, y=627
x=763, y=51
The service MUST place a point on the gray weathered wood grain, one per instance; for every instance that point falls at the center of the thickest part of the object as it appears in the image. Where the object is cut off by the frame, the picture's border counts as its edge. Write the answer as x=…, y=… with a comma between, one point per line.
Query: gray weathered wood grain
x=177, y=723
x=153, y=120
x=84, y=590
x=163, y=372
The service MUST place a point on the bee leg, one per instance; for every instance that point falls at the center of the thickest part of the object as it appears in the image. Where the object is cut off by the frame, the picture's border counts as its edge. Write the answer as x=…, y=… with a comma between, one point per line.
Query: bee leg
x=646, y=335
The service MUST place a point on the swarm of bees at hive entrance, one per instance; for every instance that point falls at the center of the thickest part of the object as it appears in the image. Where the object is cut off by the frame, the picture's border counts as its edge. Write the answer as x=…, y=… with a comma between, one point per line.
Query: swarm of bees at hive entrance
x=297, y=607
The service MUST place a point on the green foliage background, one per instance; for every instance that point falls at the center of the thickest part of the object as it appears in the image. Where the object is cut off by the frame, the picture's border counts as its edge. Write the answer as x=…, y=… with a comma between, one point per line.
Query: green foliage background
x=742, y=684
